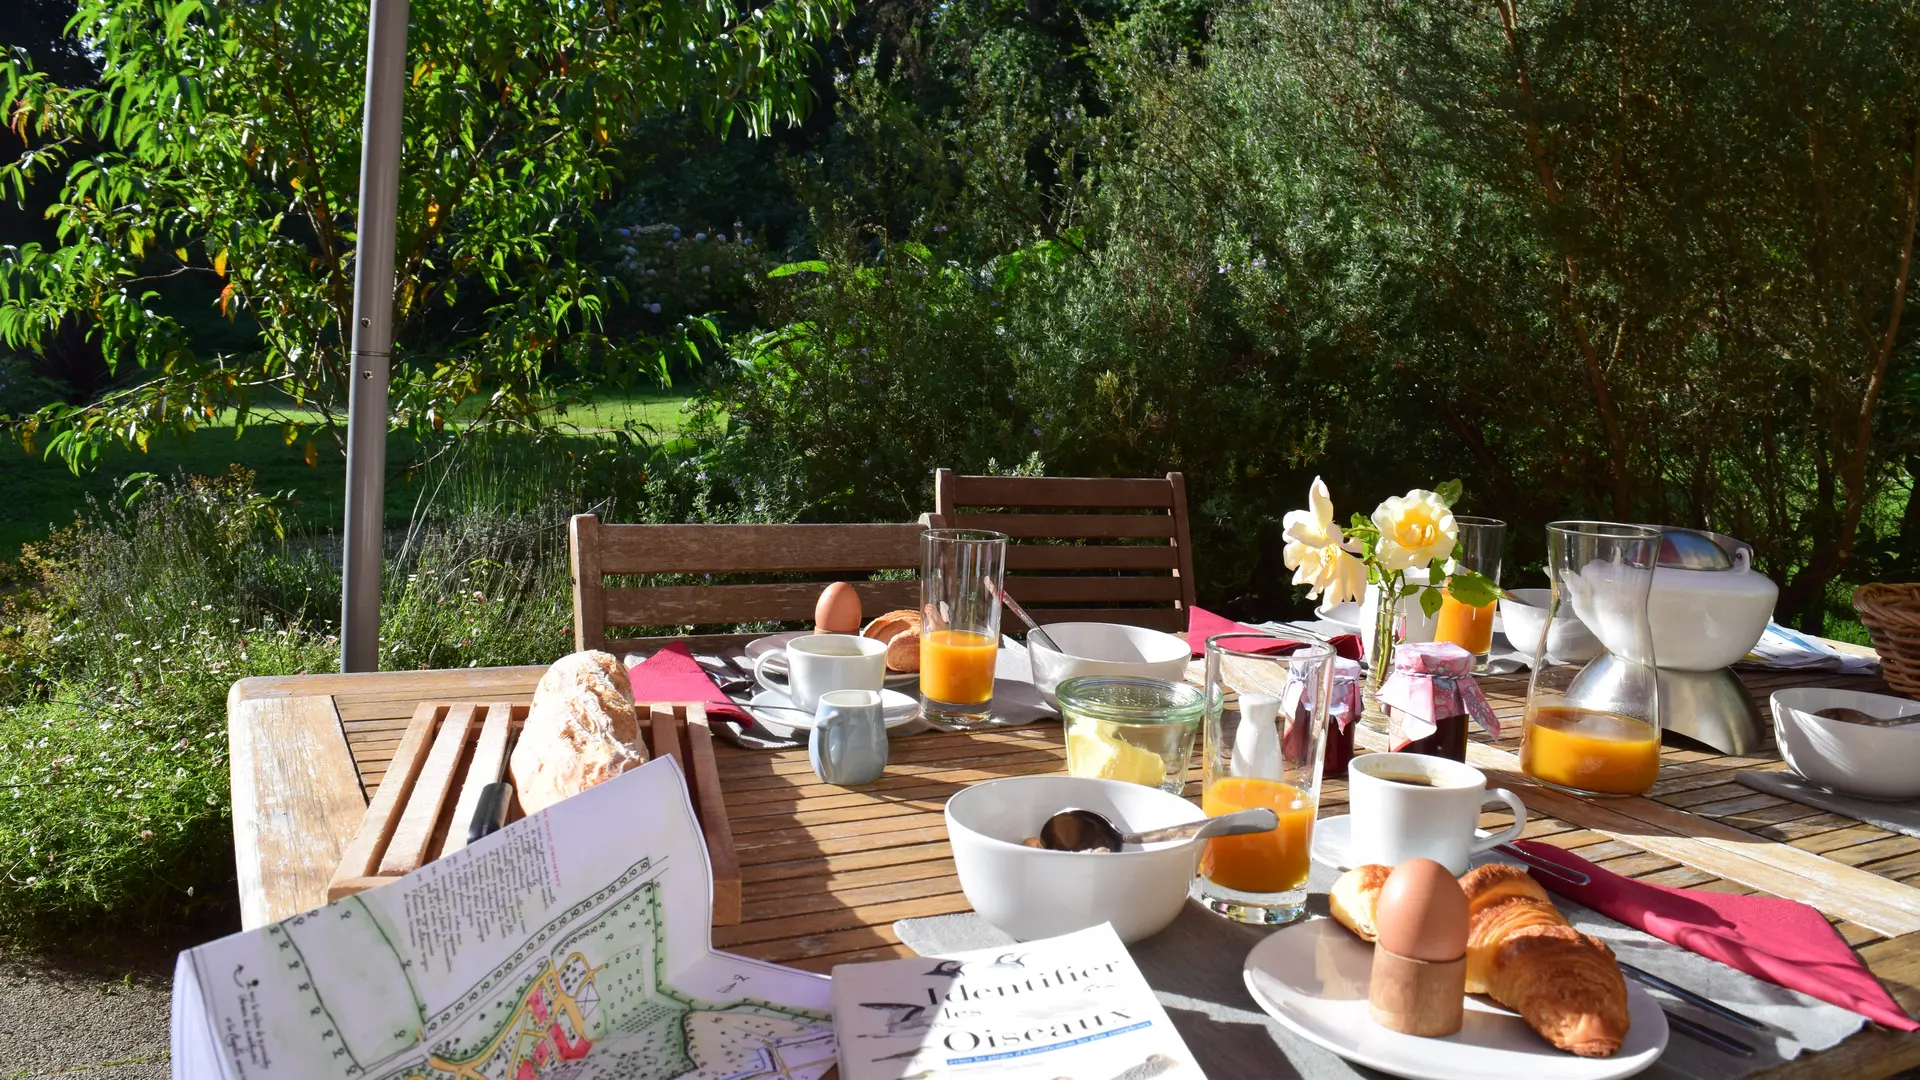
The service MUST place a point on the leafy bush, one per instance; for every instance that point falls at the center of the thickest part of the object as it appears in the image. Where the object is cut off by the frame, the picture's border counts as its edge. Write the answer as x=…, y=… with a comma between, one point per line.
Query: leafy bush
x=1340, y=241
x=134, y=622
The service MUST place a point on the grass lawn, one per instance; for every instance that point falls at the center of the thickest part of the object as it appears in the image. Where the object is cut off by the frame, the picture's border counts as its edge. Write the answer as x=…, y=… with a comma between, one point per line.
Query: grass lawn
x=37, y=495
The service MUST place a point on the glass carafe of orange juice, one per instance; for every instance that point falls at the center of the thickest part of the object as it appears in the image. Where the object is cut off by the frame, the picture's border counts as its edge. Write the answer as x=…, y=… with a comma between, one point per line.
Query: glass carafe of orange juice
x=1264, y=735
x=1594, y=728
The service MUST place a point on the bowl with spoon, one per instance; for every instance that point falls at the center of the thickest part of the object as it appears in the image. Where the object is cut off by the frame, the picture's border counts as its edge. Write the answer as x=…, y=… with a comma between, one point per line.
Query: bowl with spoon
x=1029, y=891
x=1850, y=741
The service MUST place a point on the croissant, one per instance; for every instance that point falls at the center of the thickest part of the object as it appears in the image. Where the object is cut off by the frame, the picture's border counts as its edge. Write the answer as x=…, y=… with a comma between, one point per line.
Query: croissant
x=1565, y=984
x=1520, y=951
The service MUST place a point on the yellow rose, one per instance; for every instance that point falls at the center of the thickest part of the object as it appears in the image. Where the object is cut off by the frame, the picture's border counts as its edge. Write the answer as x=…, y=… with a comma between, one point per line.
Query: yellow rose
x=1416, y=529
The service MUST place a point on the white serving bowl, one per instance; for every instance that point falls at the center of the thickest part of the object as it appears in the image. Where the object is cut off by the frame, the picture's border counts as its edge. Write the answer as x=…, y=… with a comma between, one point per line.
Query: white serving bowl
x=1032, y=893
x=1707, y=619
x=1097, y=648
x=1523, y=611
x=1858, y=759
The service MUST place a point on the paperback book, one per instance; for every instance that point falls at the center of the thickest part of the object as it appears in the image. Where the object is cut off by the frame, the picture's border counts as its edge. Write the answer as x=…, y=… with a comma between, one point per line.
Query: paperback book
x=1071, y=1007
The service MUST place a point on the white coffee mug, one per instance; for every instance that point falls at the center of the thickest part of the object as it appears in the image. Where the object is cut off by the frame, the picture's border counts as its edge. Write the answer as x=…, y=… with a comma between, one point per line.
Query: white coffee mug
x=1416, y=806
x=822, y=663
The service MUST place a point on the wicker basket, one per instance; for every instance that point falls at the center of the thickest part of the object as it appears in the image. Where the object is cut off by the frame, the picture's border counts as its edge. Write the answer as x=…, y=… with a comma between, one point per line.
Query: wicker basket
x=1892, y=615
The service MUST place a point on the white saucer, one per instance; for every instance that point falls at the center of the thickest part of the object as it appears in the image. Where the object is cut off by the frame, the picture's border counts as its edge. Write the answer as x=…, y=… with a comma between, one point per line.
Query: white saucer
x=788, y=722
x=777, y=644
x=1333, y=837
x=1312, y=977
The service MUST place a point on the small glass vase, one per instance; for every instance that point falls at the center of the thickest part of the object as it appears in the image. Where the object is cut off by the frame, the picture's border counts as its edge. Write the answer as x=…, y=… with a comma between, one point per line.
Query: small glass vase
x=1389, y=630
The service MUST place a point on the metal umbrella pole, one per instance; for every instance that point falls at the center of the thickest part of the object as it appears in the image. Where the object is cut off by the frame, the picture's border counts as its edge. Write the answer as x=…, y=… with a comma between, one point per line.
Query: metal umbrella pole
x=372, y=336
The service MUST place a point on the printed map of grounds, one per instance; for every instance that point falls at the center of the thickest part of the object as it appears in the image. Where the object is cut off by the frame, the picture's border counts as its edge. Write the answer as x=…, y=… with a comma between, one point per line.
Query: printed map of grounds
x=593, y=976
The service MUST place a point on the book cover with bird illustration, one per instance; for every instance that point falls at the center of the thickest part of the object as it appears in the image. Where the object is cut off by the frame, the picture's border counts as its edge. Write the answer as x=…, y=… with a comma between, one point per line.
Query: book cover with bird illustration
x=1068, y=1008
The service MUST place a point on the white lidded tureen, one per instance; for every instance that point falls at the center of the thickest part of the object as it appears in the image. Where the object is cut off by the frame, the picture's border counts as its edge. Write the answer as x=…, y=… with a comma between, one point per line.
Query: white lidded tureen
x=1707, y=609
x=1709, y=606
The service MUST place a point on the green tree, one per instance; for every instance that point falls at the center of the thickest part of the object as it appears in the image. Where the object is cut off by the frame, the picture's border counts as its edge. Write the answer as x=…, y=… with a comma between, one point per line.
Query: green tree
x=221, y=143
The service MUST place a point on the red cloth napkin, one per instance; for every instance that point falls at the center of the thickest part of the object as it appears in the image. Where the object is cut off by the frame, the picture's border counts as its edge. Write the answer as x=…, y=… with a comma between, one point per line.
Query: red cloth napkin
x=1782, y=941
x=1203, y=624
x=672, y=674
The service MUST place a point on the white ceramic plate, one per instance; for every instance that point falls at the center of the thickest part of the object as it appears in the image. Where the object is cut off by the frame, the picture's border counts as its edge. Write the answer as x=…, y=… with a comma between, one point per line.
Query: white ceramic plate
x=1333, y=837
x=777, y=643
x=787, y=722
x=1312, y=977
x=1346, y=616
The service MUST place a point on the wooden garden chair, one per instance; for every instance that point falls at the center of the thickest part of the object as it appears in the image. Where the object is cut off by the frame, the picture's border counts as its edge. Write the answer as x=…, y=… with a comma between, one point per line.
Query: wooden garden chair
x=1084, y=549
x=823, y=551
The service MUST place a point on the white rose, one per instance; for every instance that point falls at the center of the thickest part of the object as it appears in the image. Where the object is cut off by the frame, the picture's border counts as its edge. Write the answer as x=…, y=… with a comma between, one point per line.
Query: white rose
x=1330, y=571
x=1416, y=529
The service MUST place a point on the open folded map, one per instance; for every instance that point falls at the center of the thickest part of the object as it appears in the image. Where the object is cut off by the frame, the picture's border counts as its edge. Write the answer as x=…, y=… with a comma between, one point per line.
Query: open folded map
x=575, y=943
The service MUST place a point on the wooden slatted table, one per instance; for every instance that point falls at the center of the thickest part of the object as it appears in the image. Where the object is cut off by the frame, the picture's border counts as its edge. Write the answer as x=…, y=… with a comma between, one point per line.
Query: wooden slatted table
x=828, y=870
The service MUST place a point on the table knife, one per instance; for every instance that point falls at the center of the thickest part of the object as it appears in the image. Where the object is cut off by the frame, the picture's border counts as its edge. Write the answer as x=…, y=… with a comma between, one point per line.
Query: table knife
x=1648, y=978
x=491, y=811
x=1705, y=1034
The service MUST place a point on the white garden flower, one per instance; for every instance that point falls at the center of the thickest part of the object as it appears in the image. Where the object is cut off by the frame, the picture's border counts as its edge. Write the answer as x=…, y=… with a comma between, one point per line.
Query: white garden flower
x=1416, y=529
x=1316, y=551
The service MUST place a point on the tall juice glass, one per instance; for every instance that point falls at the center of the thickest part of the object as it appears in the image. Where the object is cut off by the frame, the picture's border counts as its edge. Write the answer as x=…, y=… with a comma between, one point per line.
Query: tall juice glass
x=961, y=571
x=1481, y=546
x=1594, y=728
x=1265, y=731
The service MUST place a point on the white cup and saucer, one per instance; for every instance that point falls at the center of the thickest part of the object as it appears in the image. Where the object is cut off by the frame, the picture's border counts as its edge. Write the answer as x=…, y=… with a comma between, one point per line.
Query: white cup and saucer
x=818, y=664
x=1414, y=806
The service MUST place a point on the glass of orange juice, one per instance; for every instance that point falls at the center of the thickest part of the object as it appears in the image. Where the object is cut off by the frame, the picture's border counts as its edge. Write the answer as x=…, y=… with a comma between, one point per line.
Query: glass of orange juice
x=961, y=571
x=1264, y=735
x=1480, y=547
x=1594, y=728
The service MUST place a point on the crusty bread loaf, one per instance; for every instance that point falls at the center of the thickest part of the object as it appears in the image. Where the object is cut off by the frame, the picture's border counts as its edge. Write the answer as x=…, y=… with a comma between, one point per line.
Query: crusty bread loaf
x=581, y=730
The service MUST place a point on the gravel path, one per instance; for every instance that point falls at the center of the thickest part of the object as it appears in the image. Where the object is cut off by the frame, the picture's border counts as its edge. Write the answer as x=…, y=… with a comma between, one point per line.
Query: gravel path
x=94, y=1010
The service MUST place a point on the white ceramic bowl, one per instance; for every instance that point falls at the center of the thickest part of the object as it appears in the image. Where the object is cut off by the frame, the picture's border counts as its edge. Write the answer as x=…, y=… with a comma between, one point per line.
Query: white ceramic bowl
x=1707, y=619
x=1859, y=759
x=1097, y=648
x=1524, y=611
x=1031, y=893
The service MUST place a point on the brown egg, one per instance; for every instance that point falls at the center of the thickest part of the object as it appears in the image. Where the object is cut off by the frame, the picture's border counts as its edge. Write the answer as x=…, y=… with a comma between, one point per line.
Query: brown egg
x=838, y=611
x=1423, y=913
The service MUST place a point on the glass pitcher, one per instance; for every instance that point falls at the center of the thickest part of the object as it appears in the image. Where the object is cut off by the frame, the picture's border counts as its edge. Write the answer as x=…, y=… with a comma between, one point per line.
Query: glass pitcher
x=1593, y=705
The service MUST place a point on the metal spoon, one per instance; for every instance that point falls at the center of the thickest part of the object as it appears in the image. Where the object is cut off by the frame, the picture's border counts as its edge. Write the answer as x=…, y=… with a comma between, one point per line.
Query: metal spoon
x=1074, y=829
x=1033, y=628
x=1855, y=716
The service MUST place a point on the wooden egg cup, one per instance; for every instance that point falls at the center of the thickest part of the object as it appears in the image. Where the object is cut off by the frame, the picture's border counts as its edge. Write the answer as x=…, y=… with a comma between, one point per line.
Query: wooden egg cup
x=1417, y=997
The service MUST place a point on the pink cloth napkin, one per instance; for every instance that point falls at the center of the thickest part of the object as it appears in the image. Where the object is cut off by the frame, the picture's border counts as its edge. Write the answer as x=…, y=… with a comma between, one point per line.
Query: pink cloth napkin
x=672, y=674
x=1203, y=624
x=1782, y=941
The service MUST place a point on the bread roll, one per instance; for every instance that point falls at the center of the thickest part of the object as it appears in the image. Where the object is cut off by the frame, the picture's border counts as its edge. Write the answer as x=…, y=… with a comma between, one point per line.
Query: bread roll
x=903, y=649
x=884, y=627
x=1356, y=896
x=581, y=730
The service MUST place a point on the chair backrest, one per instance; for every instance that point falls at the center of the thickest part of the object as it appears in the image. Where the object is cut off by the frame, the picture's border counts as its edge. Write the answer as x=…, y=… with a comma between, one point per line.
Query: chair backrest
x=1084, y=549
x=601, y=550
